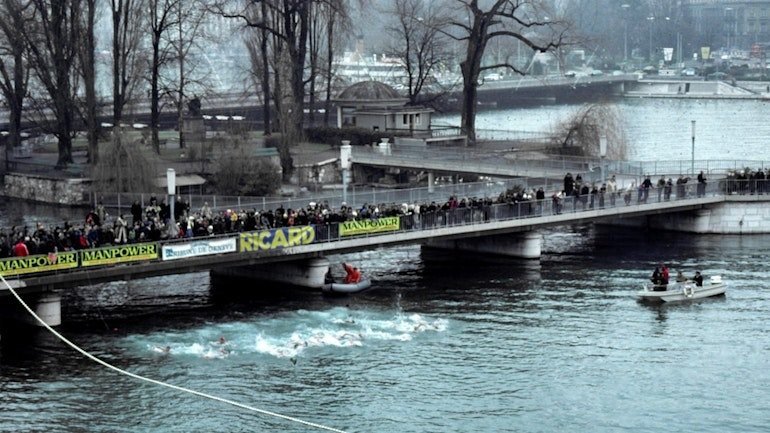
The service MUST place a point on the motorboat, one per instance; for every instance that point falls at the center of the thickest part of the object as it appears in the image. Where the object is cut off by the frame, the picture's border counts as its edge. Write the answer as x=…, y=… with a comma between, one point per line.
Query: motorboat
x=682, y=290
x=347, y=288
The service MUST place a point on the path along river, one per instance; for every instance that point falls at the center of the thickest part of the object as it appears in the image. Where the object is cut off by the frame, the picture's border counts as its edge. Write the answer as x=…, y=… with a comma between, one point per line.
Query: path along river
x=441, y=344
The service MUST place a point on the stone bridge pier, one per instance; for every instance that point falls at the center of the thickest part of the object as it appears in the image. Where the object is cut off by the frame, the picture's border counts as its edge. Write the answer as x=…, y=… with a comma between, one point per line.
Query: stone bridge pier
x=524, y=245
x=305, y=273
x=46, y=305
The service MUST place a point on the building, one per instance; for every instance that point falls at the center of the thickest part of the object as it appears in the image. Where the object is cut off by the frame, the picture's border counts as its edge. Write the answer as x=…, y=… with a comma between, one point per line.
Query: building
x=376, y=106
x=730, y=24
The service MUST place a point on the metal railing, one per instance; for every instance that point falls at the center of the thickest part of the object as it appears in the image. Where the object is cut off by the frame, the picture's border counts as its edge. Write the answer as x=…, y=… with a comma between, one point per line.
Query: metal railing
x=480, y=213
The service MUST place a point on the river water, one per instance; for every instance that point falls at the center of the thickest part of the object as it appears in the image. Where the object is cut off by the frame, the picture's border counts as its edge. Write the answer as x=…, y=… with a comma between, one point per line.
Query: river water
x=440, y=344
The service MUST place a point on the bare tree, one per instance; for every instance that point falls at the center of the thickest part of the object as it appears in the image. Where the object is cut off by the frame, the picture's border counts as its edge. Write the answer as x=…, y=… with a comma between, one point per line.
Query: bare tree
x=581, y=132
x=478, y=22
x=13, y=65
x=189, y=33
x=87, y=63
x=287, y=22
x=126, y=59
x=162, y=19
x=337, y=18
x=54, y=42
x=421, y=44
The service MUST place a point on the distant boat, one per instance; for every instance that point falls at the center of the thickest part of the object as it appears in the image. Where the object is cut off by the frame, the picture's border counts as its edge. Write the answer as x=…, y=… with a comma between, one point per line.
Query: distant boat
x=682, y=291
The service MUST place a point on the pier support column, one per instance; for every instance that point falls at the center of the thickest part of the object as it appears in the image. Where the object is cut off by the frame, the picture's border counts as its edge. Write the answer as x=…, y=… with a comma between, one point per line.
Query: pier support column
x=306, y=273
x=525, y=245
x=431, y=180
x=698, y=221
x=46, y=305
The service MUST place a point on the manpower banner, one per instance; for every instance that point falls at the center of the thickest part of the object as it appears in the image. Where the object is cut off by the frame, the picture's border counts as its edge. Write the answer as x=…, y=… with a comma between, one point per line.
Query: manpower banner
x=38, y=263
x=119, y=254
x=198, y=248
x=277, y=238
x=349, y=228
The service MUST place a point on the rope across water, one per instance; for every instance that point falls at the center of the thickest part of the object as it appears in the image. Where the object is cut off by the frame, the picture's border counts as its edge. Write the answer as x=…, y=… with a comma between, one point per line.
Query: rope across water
x=157, y=382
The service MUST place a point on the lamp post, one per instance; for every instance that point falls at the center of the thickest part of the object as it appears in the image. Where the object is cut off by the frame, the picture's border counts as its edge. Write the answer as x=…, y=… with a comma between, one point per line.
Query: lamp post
x=602, y=154
x=651, y=19
x=692, y=157
x=625, y=7
x=345, y=153
x=171, y=189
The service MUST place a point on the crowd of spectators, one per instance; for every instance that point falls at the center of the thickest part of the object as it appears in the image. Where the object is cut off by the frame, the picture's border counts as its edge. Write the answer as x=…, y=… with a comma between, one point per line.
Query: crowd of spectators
x=153, y=222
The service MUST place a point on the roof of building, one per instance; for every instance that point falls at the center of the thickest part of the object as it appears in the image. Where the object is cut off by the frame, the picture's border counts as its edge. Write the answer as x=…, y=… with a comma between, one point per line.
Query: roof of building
x=370, y=91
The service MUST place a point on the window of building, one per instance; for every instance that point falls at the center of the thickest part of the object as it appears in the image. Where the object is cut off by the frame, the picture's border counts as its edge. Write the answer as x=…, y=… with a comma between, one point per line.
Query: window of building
x=417, y=119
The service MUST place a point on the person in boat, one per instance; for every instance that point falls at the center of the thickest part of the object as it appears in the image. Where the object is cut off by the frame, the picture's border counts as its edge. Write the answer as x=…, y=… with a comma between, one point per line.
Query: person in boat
x=352, y=275
x=655, y=277
x=680, y=278
x=698, y=279
x=329, y=278
x=663, y=274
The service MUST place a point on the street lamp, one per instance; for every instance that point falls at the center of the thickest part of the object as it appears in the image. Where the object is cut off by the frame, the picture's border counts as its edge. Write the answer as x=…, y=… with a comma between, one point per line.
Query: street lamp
x=692, y=160
x=732, y=24
x=625, y=7
x=171, y=189
x=651, y=19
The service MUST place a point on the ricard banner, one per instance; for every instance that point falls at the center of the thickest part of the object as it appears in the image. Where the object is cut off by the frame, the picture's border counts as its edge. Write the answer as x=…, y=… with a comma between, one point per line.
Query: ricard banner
x=350, y=228
x=199, y=248
x=119, y=254
x=39, y=263
x=276, y=239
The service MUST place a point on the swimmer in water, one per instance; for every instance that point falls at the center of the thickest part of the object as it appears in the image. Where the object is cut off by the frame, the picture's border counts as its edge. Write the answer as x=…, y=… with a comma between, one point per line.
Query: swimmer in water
x=164, y=350
x=222, y=340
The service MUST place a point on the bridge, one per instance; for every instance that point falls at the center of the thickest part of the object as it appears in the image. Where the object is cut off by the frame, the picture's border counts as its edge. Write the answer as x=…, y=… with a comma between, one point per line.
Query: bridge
x=296, y=255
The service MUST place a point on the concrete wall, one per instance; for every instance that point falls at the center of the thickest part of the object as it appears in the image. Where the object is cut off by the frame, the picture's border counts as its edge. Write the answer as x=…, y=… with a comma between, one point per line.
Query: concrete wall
x=735, y=216
x=47, y=189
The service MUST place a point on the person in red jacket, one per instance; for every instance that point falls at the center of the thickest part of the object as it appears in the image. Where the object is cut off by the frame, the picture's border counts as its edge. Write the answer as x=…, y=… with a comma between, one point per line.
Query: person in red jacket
x=20, y=249
x=664, y=274
x=352, y=275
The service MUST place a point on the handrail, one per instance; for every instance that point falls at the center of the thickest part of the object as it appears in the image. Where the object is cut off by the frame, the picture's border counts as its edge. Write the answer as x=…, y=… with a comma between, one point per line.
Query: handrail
x=485, y=212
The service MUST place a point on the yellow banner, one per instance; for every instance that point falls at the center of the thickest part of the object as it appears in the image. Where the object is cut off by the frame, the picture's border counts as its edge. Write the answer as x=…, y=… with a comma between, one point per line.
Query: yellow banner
x=705, y=53
x=277, y=238
x=349, y=228
x=38, y=263
x=121, y=254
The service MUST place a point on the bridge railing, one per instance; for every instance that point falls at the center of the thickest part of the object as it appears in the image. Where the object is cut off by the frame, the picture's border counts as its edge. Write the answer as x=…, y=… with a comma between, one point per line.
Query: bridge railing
x=269, y=242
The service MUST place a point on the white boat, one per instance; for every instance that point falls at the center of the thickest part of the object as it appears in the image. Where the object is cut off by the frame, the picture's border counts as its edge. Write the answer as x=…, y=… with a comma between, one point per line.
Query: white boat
x=683, y=291
x=347, y=288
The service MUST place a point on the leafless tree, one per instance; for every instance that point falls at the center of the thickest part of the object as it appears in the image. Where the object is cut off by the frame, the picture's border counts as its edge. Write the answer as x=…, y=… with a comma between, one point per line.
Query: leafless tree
x=478, y=22
x=583, y=130
x=337, y=23
x=87, y=53
x=14, y=69
x=186, y=39
x=162, y=19
x=287, y=22
x=54, y=40
x=127, y=32
x=420, y=43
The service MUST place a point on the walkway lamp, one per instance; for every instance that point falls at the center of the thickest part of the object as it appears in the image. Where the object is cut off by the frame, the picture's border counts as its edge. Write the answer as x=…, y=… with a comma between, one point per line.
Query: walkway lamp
x=692, y=158
x=171, y=186
x=651, y=19
x=602, y=154
x=625, y=7
x=345, y=154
